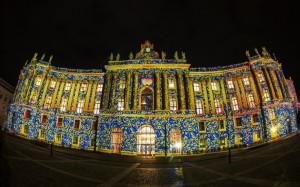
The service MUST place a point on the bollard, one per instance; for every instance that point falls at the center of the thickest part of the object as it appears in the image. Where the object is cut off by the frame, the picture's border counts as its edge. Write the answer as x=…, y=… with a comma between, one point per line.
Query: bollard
x=229, y=155
x=51, y=148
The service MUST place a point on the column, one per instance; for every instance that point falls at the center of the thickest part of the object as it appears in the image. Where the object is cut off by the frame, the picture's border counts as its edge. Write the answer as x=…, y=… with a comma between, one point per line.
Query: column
x=55, y=93
x=93, y=91
x=285, y=84
x=88, y=95
x=157, y=91
x=223, y=91
x=190, y=92
x=242, y=87
x=211, y=97
x=76, y=96
x=62, y=85
x=48, y=79
x=106, y=91
x=113, y=91
x=273, y=82
x=235, y=81
x=42, y=83
x=204, y=88
x=74, y=83
x=276, y=81
x=181, y=91
x=280, y=84
x=135, y=90
x=127, y=92
x=269, y=83
x=166, y=90
x=254, y=88
x=28, y=90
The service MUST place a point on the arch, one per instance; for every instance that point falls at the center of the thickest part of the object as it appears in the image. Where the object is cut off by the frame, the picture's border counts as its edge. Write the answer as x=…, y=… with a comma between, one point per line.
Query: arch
x=175, y=140
x=146, y=140
x=116, y=140
x=146, y=99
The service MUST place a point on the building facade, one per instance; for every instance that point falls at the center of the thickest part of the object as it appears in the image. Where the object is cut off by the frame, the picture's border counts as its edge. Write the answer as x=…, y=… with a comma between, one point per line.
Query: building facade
x=6, y=97
x=153, y=105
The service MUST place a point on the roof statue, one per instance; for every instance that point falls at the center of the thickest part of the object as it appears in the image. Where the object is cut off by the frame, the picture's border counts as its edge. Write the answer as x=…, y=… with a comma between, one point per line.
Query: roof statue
x=256, y=51
x=50, y=59
x=34, y=57
x=248, y=54
x=111, y=57
x=176, y=55
x=275, y=57
x=118, y=57
x=183, y=55
x=147, y=51
x=163, y=55
x=264, y=51
x=130, y=56
x=43, y=56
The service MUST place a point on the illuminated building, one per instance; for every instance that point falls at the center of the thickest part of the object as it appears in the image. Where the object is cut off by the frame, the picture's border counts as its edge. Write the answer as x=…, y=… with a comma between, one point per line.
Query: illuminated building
x=150, y=104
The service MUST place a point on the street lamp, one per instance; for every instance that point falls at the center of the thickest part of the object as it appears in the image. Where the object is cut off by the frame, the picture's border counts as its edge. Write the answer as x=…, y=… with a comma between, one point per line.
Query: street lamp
x=96, y=130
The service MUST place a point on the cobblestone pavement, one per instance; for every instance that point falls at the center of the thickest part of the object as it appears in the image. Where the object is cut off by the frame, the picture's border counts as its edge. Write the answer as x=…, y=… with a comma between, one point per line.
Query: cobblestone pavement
x=27, y=164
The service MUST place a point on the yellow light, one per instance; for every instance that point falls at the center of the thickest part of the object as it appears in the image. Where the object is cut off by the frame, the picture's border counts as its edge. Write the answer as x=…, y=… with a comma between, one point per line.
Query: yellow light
x=178, y=145
x=273, y=129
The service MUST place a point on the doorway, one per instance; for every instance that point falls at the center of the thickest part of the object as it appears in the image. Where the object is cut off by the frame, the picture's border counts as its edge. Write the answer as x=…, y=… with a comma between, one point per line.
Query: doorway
x=116, y=140
x=146, y=140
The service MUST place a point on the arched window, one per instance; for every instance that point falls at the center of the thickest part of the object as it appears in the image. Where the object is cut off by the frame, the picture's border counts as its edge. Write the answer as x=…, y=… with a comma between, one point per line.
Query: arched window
x=52, y=83
x=80, y=106
x=97, y=106
x=246, y=81
x=38, y=81
x=83, y=87
x=266, y=95
x=196, y=87
x=100, y=87
x=173, y=103
x=175, y=140
x=48, y=101
x=218, y=106
x=68, y=86
x=230, y=84
x=120, y=104
x=214, y=86
x=33, y=97
x=261, y=77
x=116, y=140
x=146, y=140
x=251, y=100
x=235, y=105
x=63, y=104
x=147, y=99
x=199, y=107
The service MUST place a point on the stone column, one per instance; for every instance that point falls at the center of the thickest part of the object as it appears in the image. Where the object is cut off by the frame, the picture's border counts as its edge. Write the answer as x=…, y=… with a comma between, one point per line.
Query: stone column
x=113, y=91
x=48, y=79
x=93, y=91
x=190, y=92
x=223, y=91
x=127, y=93
x=62, y=85
x=157, y=91
x=211, y=97
x=254, y=89
x=269, y=83
x=135, y=90
x=74, y=84
x=242, y=88
x=166, y=90
x=277, y=85
x=76, y=96
x=235, y=81
x=204, y=88
x=106, y=91
x=87, y=96
x=181, y=91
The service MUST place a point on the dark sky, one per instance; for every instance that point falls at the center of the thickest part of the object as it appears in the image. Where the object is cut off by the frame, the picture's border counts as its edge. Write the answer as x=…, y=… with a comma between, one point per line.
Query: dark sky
x=81, y=34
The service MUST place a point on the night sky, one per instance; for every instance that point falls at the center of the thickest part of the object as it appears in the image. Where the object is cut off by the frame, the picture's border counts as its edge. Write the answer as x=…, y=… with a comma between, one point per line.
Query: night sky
x=82, y=34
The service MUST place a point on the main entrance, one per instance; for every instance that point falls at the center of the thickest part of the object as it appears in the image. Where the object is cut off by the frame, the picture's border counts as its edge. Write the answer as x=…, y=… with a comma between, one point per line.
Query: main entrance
x=175, y=140
x=146, y=140
x=116, y=140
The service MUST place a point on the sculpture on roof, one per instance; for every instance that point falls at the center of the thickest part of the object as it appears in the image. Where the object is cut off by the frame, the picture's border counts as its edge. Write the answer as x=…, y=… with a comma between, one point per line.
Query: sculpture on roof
x=111, y=57
x=176, y=55
x=118, y=57
x=183, y=55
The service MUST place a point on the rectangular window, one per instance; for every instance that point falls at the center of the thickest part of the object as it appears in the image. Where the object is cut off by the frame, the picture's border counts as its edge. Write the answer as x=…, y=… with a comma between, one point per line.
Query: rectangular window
x=221, y=125
x=256, y=136
x=44, y=119
x=173, y=104
x=100, y=87
x=261, y=77
x=222, y=142
x=272, y=114
x=83, y=87
x=230, y=84
x=33, y=97
x=202, y=143
x=214, y=86
x=120, y=104
x=38, y=81
x=235, y=104
x=202, y=126
x=246, y=81
x=238, y=122
x=266, y=95
x=48, y=101
x=75, y=140
x=97, y=106
x=52, y=84
x=63, y=104
x=171, y=83
x=77, y=124
x=24, y=129
x=59, y=122
x=199, y=107
x=68, y=86
x=196, y=87
x=94, y=125
x=58, y=138
x=251, y=101
x=80, y=106
x=255, y=118
x=27, y=113
x=42, y=134
x=92, y=142
x=122, y=83
x=218, y=106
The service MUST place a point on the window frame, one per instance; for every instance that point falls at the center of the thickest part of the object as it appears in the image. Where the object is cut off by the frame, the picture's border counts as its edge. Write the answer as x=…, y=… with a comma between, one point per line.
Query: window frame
x=231, y=84
x=238, y=122
x=173, y=103
x=80, y=106
x=68, y=86
x=251, y=100
x=97, y=106
x=44, y=119
x=172, y=83
x=267, y=96
x=79, y=124
x=196, y=87
x=235, y=104
x=199, y=108
x=121, y=104
x=83, y=87
x=246, y=81
x=99, y=87
x=52, y=84
x=218, y=106
x=59, y=124
x=200, y=125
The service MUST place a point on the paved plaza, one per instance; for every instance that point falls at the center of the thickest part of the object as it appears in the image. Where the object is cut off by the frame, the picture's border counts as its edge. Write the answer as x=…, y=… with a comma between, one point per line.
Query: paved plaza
x=24, y=163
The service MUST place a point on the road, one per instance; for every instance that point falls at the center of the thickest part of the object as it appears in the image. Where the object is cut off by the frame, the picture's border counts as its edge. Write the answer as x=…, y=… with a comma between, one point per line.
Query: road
x=26, y=164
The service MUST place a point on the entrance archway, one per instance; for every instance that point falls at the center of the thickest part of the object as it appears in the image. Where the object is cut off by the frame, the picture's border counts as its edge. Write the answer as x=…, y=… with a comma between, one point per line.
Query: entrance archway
x=116, y=140
x=146, y=140
x=147, y=100
x=175, y=140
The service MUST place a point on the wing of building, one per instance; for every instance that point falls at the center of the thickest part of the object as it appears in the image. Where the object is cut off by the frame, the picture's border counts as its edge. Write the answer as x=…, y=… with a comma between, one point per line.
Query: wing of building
x=153, y=105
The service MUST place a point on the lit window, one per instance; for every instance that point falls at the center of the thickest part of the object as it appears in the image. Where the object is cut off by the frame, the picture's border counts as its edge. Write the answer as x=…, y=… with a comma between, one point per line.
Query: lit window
x=44, y=119
x=58, y=138
x=202, y=143
x=199, y=107
x=27, y=114
x=38, y=81
x=251, y=101
x=97, y=106
x=266, y=95
x=272, y=114
x=214, y=86
x=218, y=106
x=261, y=77
x=83, y=87
x=76, y=124
x=75, y=140
x=238, y=122
x=52, y=84
x=201, y=126
x=256, y=136
x=48, y=101
x=42, y=134
x=173, y=104
x=122, y=83
x=100, y=87
x=120, y=104
x=230, y=84
x=24, y=129
x=80, y=106
x=196, y=87
x=33, y=97
x=246, y=81
x=171, y=83
x=255, y=118
x=68, y=86
x=59, y=122
x=221, y=125
x=63, y=104
x=235, y=104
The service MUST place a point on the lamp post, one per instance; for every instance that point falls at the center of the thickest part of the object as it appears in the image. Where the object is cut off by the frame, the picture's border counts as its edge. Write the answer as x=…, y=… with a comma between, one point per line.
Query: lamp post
x=96, y=130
